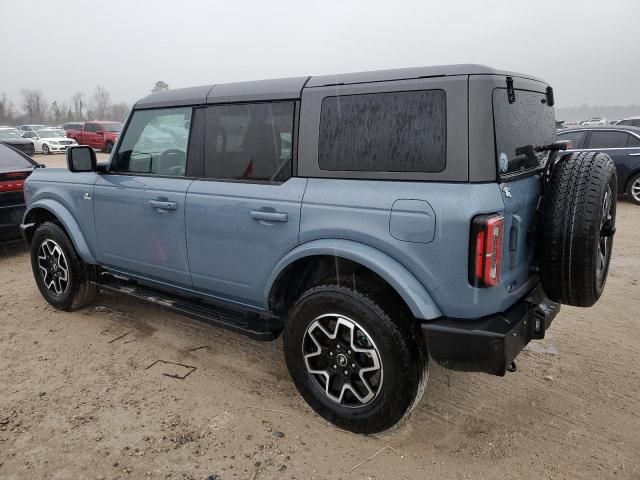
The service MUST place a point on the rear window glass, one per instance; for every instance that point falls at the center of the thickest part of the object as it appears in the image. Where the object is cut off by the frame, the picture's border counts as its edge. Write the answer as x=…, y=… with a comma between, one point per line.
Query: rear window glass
x=12, y=160
x=384, y=132
x=528, y=122
x=575, y=137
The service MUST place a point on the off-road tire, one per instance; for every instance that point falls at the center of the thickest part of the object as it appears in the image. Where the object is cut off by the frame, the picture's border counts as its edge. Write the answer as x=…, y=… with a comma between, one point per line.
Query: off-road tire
x=635, y=180
x=81, y=290
x=399, y=342
x=572, y=228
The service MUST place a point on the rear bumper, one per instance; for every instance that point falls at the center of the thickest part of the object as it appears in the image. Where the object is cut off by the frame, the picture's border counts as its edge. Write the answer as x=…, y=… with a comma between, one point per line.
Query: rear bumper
x=491, y=343
x=10, y=218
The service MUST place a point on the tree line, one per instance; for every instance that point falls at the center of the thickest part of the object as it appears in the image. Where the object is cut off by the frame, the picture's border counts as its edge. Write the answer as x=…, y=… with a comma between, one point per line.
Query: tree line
x=35, y=107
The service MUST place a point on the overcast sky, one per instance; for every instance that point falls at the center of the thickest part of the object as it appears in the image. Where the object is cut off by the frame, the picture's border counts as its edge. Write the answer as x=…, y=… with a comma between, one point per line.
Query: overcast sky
x=588, y=50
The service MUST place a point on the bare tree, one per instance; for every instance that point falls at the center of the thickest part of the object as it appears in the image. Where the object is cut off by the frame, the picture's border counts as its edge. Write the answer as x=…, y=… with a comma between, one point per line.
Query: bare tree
x=160, y=86
x=101, y=101
x=78, y=105
x=56, y=112
x=119, y=112
x=34, y=104
x=6, y=110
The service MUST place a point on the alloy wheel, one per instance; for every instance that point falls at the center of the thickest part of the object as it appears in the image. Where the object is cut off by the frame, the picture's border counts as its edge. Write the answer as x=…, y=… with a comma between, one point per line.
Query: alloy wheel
x=606, y=225
x=53, y=266
x=635, y=190
x=342, y=360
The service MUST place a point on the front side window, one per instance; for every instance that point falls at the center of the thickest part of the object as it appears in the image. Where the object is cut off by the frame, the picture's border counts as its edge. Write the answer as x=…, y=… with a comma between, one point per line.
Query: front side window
x=250, y=141
x=155, y=143
x=607, y=139
x=384, y=132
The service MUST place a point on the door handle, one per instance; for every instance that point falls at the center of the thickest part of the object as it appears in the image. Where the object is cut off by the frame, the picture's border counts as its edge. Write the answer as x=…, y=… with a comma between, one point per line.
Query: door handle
x=163, y=205
x=634, y=154
x=269, y=216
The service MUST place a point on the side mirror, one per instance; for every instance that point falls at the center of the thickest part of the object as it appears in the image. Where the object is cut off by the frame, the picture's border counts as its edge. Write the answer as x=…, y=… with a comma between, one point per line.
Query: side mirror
x=81, y=158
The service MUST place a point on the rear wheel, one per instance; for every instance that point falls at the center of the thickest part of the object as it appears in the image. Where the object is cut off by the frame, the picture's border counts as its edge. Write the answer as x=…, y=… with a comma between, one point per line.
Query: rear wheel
x=578, y=223
x=633, y=189
x=108, y=147
x=45, y=149
x=355, y=365
x=63, y=279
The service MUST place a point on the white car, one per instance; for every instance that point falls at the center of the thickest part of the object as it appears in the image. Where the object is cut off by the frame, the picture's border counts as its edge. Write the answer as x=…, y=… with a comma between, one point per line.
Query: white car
x=594, y=122
x=49, y=141
x=631, y=121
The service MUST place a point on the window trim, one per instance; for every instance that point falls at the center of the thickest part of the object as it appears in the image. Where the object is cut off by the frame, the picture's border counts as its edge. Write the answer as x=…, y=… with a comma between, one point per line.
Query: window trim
x=109, y=169
x=294, y=142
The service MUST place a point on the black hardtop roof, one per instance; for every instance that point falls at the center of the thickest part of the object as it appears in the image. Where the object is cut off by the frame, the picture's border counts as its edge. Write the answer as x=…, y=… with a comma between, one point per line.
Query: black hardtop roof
x=291, y=88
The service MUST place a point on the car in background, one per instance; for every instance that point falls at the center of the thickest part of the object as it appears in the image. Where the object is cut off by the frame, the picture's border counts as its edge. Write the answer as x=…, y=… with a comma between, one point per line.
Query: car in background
x=630, y=122
x=621, y=143
x=31, y=128
x=97, y=134
x=594, y=122
x=15, y=167
x=49, y=141
x=11, y=136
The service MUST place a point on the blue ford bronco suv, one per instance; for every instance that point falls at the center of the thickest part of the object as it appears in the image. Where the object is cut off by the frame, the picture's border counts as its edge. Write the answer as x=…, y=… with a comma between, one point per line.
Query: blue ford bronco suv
x=376, y=220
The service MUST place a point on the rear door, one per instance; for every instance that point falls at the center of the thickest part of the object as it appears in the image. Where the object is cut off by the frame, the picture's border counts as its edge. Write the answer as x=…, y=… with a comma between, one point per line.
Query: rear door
x=622, y=147
x=140, y=203
x=243, y=216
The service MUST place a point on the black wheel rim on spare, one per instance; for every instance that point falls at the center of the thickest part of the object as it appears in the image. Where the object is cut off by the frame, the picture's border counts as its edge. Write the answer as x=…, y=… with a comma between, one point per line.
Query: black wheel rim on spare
x=605, y=239
x=342, y=360
x=53, y=267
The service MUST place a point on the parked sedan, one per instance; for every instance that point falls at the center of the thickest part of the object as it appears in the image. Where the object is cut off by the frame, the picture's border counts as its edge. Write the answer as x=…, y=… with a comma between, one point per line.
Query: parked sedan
x=12, y=137
x=15, y=167
x=622, y=143
x=594, y=122
x=49, y=141
x=631, y=121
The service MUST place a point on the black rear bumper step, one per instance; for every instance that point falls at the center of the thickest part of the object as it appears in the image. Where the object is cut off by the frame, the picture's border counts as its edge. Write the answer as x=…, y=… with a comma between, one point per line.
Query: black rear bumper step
x=247, y=323
x=489, y=344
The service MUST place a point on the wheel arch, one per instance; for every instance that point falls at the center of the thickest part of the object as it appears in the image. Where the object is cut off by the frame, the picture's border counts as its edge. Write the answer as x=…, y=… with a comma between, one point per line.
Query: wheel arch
x=50, y=210
x=627, y=181
x=299, y=268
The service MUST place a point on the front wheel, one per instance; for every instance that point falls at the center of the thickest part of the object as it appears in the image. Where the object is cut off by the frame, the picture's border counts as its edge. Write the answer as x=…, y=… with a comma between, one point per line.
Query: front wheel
x=63, y=279
x=352, y=362
x=633, y=189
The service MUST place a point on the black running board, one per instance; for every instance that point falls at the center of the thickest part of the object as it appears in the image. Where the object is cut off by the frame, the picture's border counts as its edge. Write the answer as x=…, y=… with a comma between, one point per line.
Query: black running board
x=247, y=323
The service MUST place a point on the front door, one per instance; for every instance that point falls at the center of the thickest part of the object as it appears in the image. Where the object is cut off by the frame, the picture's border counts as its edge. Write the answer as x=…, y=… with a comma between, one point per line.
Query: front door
x=140, y=203
x=244, y=216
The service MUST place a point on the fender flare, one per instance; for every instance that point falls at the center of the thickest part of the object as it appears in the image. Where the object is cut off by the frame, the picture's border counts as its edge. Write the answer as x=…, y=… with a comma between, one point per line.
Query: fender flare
x=65, y=217
x=411, y=290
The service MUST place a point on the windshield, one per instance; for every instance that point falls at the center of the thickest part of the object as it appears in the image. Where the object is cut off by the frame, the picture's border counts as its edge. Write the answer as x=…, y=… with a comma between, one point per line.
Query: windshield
x=51, y=133
x=9, y=133
x=112, y=127
x=528, y=122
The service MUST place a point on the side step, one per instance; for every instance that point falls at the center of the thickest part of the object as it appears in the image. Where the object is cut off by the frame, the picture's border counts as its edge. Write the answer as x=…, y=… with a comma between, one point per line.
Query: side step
x=247, y=323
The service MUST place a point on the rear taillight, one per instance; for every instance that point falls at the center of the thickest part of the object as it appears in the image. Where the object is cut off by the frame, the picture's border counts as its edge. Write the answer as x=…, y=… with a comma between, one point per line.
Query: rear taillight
x=485, y=256
x=12, y=182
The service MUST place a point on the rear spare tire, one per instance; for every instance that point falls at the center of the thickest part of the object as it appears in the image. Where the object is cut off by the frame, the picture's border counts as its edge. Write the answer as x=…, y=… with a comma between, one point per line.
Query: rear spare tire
x=577, y=226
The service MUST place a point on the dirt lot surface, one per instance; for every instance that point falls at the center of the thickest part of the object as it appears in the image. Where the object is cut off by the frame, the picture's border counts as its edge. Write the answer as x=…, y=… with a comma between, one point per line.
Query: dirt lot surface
x=81, y=397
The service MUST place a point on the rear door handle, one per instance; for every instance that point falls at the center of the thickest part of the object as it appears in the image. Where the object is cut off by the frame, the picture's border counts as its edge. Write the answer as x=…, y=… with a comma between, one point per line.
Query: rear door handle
x=269, y=216
x=163, y=205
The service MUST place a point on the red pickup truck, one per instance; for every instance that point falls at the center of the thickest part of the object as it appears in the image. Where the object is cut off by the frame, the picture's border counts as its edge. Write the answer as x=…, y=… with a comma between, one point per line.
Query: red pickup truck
x=99, y=135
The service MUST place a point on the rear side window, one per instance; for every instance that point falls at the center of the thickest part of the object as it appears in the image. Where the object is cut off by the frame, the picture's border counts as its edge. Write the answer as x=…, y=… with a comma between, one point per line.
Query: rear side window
x=607, y=139
x=576, y=138
x=251, y=141
x=519, y=126
x=90, y=127
x=384, y=132
x=11, y=160
x=633, y=141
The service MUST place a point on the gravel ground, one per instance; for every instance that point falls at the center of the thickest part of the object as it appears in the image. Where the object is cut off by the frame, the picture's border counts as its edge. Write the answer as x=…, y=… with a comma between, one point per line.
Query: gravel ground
x=81, y=397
